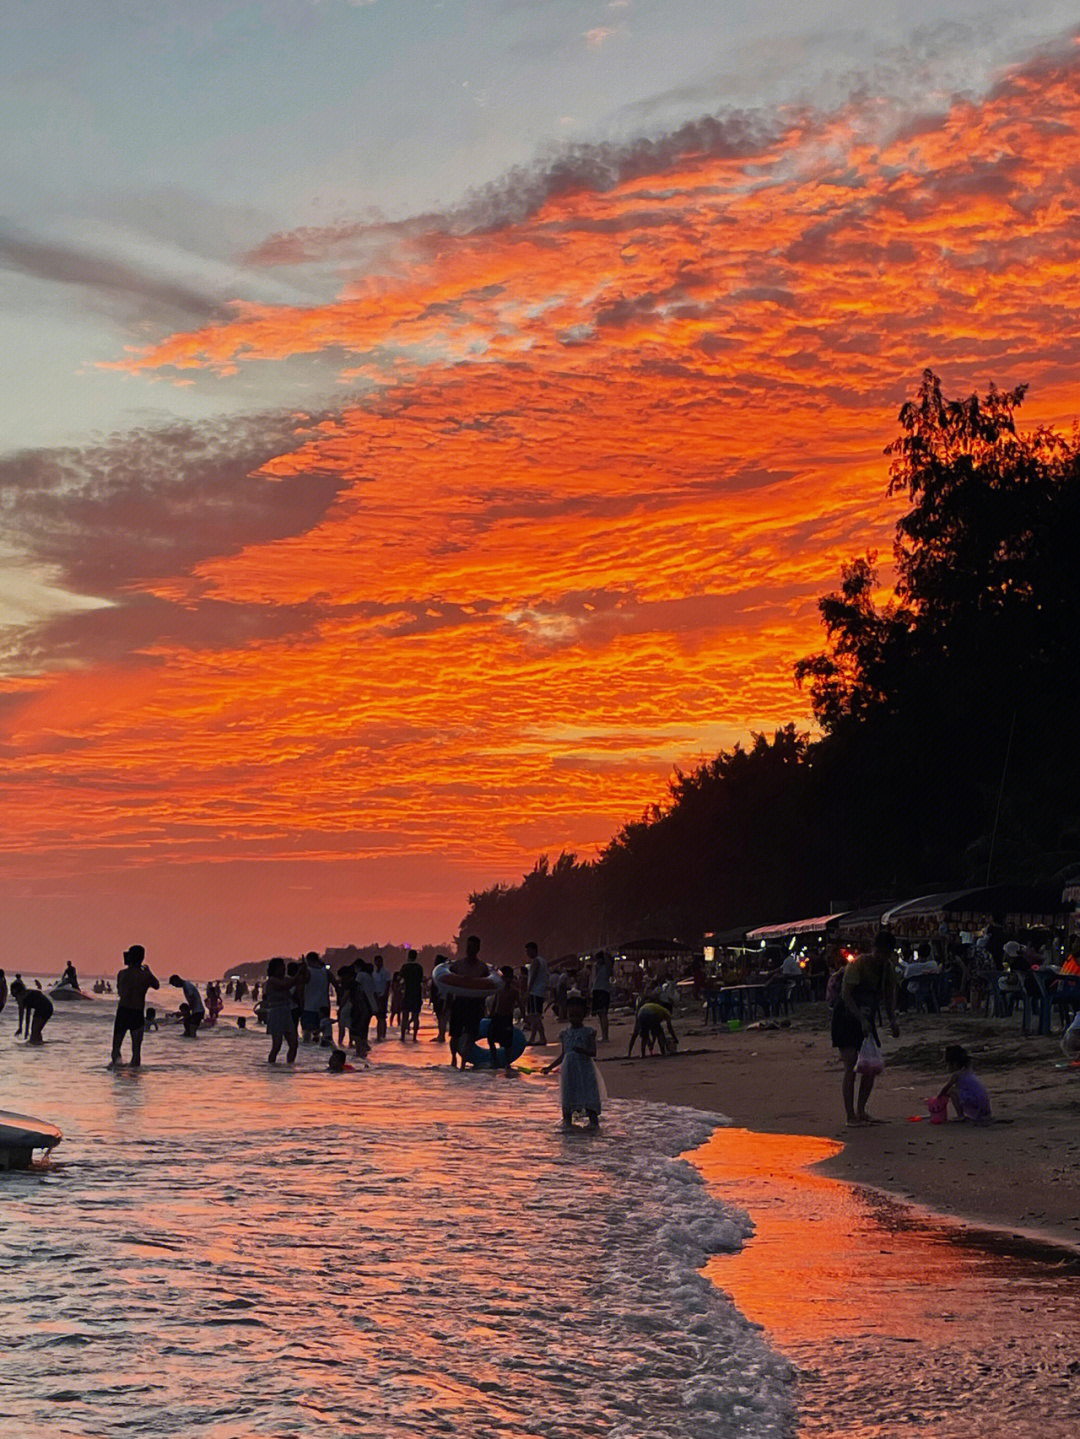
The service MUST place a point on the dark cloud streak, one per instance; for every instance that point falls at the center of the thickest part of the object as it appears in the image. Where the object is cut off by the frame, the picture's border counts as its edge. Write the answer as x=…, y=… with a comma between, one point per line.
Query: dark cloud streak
x=106, y=278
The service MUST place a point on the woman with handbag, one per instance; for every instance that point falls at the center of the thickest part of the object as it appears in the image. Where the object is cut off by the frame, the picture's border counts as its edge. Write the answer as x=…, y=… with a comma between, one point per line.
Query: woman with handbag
x=868, y=983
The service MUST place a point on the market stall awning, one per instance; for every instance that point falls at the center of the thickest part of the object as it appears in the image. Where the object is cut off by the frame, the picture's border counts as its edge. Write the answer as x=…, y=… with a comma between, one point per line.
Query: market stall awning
x=817, y=925
x=871, y=916
x=1015, y=902
x=655, y=946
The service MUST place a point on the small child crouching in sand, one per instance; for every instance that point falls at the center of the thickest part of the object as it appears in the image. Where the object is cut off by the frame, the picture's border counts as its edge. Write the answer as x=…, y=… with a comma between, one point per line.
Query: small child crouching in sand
x=580, y=1086
x=969, y=1097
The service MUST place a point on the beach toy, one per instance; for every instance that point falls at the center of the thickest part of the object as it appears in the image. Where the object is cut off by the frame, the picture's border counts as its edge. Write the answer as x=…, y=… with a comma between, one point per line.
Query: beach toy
x=480, y=1054
x=734, y=1024
x=938, y=1106
x=20, y=1135
x=462, y=986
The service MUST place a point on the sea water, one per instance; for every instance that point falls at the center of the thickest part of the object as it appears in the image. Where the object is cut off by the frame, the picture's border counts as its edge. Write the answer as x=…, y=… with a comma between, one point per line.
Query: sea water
x=226, y=1249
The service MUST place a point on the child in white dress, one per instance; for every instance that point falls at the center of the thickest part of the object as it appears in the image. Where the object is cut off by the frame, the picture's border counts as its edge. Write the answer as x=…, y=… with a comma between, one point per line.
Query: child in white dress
x=580, y=1085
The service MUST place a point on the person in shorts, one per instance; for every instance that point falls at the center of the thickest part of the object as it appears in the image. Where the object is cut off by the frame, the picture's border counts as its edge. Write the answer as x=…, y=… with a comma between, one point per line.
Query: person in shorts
x=132, y=984
x=537, y=989
x=412, y=995
x=39, y=1010
x=602, y=970
x=500, y=1035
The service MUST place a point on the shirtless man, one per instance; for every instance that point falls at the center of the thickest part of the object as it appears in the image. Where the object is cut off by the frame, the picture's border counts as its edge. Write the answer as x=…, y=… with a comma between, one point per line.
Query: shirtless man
x=467, y=1010
x=132, y=984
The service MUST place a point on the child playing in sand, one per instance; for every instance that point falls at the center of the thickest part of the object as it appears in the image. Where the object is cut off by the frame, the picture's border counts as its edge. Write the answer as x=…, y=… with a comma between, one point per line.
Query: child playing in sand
x=580, y=1079
x=970, y=1099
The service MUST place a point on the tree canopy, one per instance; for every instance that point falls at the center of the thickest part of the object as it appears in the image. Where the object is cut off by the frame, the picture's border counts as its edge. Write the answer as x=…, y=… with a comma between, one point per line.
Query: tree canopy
x=946, y=711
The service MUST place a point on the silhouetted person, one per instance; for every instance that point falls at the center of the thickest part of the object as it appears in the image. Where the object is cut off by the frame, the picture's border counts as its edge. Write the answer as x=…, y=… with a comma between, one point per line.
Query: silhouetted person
x=132, y=984
x=69, y=976
x=192, y=1010
x=279, y=998
x=3, y=990
x=18, y=994
x=380, y=980
x=440, y=1002
x=467, y=1010
x=536, y=994
x=39, y=1010
x=412, y=995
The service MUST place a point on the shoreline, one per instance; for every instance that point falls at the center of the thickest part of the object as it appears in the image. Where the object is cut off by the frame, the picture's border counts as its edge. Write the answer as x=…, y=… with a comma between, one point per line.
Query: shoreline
x=1018, y=1176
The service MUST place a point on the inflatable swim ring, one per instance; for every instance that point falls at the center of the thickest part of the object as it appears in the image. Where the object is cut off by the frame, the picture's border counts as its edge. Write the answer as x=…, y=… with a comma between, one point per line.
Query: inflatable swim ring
x=480, y=1053
x=20, y=1135
x=462, y=986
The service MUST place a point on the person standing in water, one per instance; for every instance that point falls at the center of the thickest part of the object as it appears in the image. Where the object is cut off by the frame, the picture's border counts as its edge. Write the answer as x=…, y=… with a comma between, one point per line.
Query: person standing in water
x=3, y=990
x=132, y=984
x=380, y=982
x=467, y=1010
x=868, y=983
x=579, y=1086
x=279, y=996
x=501, y=1023
x=602, y=971
x=412, y=995
x=537, y=989
x=315, y=1014
x=363, y=1008
x=440, y=1002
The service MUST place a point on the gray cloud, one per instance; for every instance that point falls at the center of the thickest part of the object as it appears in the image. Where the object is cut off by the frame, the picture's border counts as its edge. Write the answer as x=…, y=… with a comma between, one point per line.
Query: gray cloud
x=525, y=189
x=154, y=502
x=110, y=280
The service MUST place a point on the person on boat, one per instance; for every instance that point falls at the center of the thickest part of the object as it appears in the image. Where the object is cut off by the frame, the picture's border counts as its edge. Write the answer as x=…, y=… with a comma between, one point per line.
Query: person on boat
x=39, y=1010
x=132, y=984
x=69, y=976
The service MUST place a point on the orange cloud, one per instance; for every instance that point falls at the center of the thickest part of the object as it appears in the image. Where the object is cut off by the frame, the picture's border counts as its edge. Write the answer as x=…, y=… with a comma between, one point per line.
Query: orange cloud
x=621, y=436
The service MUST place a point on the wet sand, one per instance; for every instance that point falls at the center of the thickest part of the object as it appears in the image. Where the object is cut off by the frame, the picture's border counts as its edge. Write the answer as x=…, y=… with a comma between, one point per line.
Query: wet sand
x=1019, y=1174
x=896, y=1323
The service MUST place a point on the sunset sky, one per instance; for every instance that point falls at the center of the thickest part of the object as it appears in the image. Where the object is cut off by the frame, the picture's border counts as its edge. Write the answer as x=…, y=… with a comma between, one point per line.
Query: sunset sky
x=426, y=424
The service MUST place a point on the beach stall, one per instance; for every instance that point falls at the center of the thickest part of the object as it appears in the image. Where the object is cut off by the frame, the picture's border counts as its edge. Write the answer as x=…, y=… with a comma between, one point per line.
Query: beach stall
x=971, y=910
x=856, y=929
x=802, y=930
x=640, y=959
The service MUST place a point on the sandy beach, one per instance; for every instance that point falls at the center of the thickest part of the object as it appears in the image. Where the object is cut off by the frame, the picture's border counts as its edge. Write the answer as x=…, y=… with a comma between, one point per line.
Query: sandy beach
x=1020, y=1173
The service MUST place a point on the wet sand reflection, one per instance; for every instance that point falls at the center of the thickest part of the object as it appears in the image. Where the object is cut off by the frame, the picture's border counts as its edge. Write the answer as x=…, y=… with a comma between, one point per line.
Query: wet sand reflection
x=896, y=1320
